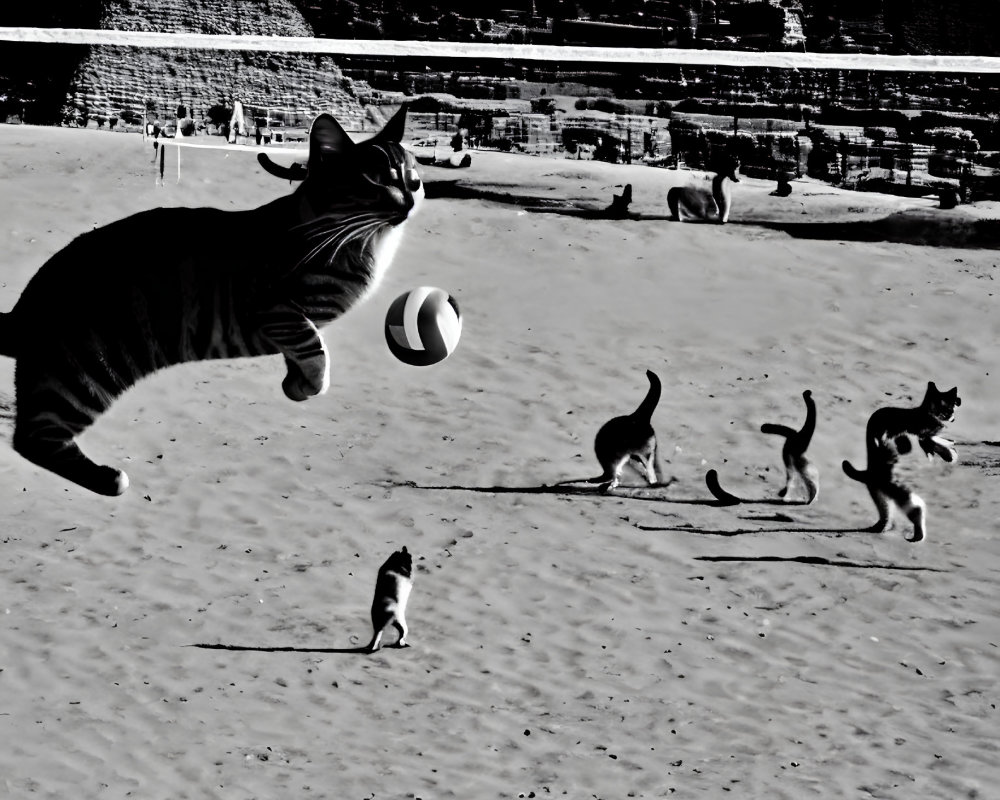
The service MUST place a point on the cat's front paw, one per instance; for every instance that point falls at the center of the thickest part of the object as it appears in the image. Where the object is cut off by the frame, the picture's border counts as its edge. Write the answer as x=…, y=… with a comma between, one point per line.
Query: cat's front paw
x=937, y=445
x=298, y=386
x=297, y=389
x=108, y=481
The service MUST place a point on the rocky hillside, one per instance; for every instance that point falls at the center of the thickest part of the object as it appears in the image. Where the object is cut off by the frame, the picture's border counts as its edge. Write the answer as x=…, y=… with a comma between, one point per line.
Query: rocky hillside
x=117, y=81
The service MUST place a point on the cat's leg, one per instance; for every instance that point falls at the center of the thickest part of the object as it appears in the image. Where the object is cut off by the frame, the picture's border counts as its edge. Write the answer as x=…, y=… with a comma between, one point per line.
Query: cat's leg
x=916, y=511
x=884, y=507
x=785, y=493
x=376, y=642
x=938, y=445
x=723, y=210
x=50, y=415
x=302, y=345
x=912, y=505
x=399, y=623
x=613, y=471
x=646, y=458
x=673, y=196
x=810, y=477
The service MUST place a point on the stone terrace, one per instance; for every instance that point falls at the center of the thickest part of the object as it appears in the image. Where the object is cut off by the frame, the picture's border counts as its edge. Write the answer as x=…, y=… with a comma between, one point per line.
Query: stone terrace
x=112, y=80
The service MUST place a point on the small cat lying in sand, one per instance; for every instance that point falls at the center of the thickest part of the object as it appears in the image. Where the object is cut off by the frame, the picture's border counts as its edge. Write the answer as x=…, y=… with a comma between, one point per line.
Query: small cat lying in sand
x=392, y=591
x=697, y=203
x=887, y=437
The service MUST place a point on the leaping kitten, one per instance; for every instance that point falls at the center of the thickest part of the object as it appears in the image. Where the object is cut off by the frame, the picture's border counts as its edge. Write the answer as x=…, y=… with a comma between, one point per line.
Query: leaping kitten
x=793, y=452
x=887, y=437
x=392, y=591
x=260, y=282
x=629, y=438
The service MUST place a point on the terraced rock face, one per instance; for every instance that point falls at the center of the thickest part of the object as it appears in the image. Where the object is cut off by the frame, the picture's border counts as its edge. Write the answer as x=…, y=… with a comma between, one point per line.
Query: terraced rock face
x=113, y=80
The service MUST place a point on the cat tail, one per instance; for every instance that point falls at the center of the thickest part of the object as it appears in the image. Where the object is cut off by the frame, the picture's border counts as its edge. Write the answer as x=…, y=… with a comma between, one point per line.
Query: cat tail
x=855, y=474
x=8, y=336
x=780, y=430
x=648, y=405
x=809, y=426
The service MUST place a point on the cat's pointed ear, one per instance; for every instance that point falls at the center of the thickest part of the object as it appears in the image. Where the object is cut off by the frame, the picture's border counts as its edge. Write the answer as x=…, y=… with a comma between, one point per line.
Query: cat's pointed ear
x=326, y=136
x=395, y=128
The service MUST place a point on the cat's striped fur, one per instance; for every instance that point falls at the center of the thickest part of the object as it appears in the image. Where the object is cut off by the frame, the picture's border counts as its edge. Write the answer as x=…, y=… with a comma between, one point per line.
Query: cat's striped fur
x=215, y=284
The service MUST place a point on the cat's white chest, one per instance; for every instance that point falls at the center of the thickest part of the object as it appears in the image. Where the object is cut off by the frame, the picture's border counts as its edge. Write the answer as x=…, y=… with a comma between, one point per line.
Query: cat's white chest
x=384, y=250
x=383, y=254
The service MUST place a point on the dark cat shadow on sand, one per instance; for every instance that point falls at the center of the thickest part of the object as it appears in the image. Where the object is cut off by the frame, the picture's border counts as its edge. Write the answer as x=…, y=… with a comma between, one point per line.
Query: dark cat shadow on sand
x=567, y=490
x=261, y=649
x=928, y=227
x=537, y=204
x=819, y=561
x=745, y=531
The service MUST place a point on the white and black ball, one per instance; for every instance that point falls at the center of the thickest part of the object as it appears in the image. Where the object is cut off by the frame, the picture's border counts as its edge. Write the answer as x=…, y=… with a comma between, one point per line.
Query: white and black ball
x=423, y=326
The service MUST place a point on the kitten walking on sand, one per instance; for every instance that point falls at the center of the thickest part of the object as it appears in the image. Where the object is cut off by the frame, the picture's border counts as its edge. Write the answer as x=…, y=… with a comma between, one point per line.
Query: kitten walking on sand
x=697, y=203
x=887, y=437
x=798, y=468
x=392, y=591
x=793, y=452
x=625, y=439
x=261, y=282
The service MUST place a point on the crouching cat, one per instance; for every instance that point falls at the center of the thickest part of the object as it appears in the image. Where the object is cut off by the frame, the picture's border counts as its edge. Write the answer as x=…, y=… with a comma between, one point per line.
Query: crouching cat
x=887, y=437
x=258, y=282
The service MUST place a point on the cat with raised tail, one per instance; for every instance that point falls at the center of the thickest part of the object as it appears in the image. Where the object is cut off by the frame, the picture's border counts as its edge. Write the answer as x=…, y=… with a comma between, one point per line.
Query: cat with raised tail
x=628, y=438
x=688, y=203
x=392, y=591
x=253, y=283
x=798, y=468
x=887, y=436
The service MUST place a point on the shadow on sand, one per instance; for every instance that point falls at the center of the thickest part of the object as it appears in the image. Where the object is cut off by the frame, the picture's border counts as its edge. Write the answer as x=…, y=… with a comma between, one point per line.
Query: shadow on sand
x=928, y=227
x=819, y=562
x=259, y=649
x=567, y=489
x=578, y=488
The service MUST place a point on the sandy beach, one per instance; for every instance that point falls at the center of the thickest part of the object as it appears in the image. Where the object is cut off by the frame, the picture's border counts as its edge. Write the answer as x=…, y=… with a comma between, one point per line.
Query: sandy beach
x=646, y=644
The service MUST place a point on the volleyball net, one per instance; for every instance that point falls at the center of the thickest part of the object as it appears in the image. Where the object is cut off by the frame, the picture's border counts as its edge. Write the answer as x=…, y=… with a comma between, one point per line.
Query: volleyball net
x=263, y=91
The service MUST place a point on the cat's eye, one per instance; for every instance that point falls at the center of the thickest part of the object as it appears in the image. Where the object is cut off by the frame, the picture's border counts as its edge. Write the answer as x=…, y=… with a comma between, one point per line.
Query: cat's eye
x=394, y=175
x=412, y=179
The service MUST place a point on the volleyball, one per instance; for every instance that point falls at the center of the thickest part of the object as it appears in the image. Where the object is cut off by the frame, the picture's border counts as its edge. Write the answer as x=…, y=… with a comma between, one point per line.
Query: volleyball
x=423, y=326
